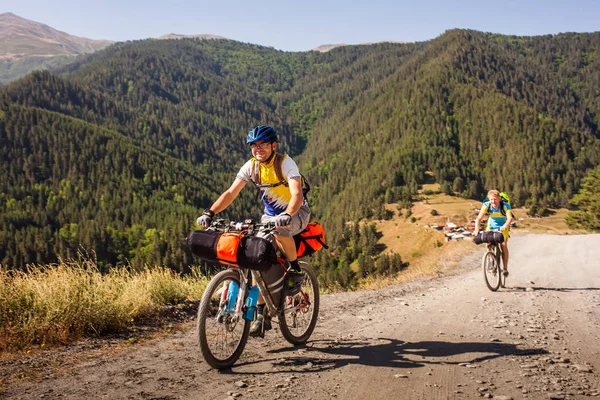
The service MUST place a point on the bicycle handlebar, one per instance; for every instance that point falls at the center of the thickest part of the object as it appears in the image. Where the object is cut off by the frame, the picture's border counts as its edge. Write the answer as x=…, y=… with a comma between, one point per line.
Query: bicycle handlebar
x=247, y=226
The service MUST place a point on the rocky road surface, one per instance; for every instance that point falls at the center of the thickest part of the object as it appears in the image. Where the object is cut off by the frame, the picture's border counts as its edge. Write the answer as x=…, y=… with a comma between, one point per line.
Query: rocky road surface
x=442, y=338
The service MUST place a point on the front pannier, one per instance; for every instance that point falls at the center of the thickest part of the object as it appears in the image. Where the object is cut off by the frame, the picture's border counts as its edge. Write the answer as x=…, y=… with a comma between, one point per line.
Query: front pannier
x=489, y=237
x=232, y=249
x=310, y=240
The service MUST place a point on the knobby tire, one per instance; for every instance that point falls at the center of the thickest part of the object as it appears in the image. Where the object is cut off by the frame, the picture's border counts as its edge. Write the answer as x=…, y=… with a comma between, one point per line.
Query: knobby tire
x=491, y=271
x=206, y=317
x=297, y=310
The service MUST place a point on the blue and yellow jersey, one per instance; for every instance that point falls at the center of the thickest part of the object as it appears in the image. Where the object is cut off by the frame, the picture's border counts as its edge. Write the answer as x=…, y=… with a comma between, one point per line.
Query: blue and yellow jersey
x=277, y=198
x=496, y=219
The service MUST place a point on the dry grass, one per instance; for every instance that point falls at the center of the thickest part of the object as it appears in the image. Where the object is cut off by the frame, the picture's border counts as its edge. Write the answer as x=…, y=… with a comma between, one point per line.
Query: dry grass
x=416, y=240
x=553, y=222
x=434, y=263
x=60, y=303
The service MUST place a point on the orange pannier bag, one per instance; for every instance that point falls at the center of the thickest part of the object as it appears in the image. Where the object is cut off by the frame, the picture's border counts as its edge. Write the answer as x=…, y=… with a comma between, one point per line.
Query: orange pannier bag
x=310, y=240
x=227, y=248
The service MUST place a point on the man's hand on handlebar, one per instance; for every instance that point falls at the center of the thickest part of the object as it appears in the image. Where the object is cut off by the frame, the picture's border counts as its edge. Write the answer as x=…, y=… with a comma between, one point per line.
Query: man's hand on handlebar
x=283, y=219
x=205, y=219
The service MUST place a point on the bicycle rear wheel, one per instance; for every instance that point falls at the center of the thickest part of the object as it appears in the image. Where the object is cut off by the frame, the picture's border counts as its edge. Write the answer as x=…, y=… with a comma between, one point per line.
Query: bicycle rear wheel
x=222, y=335
x=300, y=312
x=491, y=271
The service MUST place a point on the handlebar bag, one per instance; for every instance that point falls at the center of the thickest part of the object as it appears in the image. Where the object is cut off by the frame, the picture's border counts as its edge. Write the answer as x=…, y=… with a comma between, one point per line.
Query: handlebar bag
x=228, y=248
x=233, y=249
x=310, y=240
x=203, y=243
x=489, y=237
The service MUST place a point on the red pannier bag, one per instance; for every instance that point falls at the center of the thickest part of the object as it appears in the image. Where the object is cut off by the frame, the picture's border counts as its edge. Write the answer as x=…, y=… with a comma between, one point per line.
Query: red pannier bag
x=310, y=240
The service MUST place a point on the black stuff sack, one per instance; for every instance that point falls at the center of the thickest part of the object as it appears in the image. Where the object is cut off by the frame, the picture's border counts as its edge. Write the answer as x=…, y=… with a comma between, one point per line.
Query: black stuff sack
x=489, y=237
x=258, y=253
x=203, y=244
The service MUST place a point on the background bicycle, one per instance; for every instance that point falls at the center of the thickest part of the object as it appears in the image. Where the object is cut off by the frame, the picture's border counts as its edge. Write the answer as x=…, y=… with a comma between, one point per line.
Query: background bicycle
x=491, y=261
x=228, y=304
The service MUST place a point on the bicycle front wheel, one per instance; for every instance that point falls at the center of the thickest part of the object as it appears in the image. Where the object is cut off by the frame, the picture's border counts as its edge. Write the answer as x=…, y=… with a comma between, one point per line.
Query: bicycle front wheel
x=491, y=271
x=300, y=312
x=222, y=335
x=500, y=267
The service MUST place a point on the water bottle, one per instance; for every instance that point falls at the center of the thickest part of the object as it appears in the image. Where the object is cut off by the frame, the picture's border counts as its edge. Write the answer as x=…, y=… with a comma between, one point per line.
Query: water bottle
x=251, y=301
x=232, y=293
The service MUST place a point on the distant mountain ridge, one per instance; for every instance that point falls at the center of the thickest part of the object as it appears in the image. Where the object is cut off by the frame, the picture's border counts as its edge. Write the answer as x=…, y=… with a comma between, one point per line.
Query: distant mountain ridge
x=198, y=36
x=20, y=37
x=27, y=45
x=119, y=150
x=326, y=47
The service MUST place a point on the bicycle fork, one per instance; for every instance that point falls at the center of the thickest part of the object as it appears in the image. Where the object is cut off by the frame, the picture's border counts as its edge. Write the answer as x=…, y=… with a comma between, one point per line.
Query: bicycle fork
x=232, y=292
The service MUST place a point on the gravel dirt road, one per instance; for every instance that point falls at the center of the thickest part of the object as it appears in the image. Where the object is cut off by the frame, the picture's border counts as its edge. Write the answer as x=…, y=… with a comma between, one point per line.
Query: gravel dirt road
x=442, y=338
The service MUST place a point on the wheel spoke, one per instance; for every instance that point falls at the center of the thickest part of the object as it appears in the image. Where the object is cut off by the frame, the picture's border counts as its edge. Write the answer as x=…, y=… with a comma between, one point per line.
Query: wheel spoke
x=300, y=312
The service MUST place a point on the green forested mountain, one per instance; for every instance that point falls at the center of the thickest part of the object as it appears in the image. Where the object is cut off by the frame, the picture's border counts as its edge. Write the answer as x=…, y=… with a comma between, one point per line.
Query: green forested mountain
x=119, y=151
x=480, y=111
x=587, y=202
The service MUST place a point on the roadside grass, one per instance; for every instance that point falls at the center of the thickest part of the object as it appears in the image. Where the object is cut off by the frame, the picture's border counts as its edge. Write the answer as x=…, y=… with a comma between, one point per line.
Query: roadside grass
x=57, y=304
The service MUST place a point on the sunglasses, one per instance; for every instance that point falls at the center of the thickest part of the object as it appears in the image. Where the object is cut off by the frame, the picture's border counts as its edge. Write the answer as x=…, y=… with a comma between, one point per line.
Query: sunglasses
x=262, y=145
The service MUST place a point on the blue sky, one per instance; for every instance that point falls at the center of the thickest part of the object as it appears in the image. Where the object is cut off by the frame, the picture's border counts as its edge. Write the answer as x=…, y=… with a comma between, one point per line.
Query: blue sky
x=305, y=24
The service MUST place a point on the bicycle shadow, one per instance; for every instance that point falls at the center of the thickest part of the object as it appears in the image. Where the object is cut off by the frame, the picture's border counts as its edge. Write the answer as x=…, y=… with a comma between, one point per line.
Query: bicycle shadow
x=540, y=288
x=323, y=355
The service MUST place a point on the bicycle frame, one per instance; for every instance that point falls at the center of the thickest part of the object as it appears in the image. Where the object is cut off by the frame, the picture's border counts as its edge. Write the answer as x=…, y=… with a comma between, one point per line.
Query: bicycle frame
x=245, y=278
x=496, y=249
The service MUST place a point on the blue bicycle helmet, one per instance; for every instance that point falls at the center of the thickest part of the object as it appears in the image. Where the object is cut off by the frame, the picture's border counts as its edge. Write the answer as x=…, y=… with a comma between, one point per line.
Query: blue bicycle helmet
x=262, y=132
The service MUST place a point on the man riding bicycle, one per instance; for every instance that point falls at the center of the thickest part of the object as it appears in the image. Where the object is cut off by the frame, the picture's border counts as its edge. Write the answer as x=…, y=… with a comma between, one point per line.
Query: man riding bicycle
x=500, y=218
x=283, y=199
